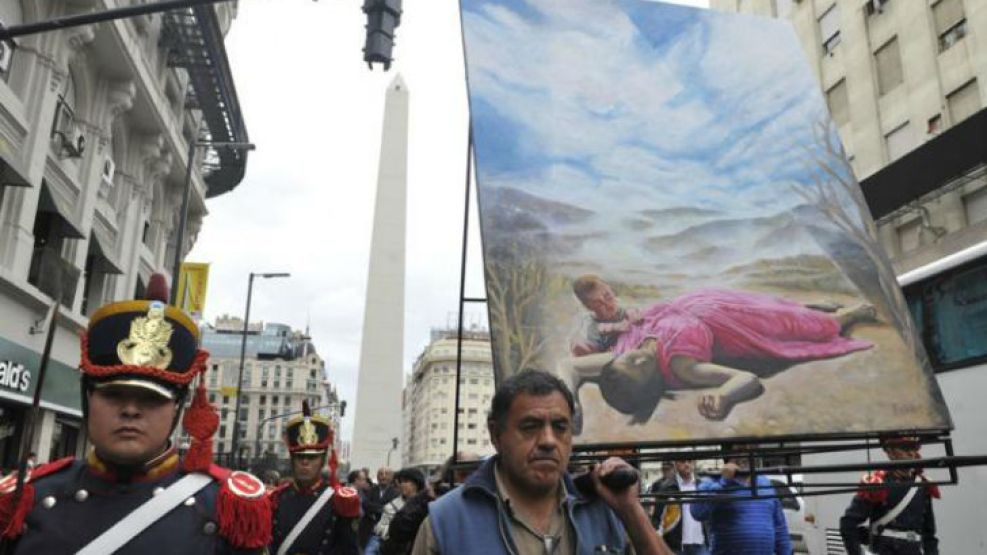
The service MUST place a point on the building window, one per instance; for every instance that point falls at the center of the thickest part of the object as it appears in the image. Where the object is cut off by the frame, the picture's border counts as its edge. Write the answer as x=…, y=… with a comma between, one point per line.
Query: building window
x=243, y=415
x=875, y=7
x=950, y=22
x=935, y=125
x=829, y=28
x=899, y=141
x=963, y=102
x=888, y=60
x=975, y=205
x=222, y=432
x=263, y=400
x=909, y=235
x=838, y=102
x=226, y=399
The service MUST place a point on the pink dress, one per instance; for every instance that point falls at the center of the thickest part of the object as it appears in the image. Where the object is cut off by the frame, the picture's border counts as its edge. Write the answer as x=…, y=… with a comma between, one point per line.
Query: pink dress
x=711, y=324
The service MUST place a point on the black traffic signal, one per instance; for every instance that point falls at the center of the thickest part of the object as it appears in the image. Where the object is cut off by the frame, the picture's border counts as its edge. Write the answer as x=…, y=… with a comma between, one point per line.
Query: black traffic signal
x=383, y=17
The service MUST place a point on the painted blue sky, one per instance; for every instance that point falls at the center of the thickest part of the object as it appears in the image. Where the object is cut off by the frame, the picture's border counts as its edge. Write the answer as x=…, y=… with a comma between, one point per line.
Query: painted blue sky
x=598, y=102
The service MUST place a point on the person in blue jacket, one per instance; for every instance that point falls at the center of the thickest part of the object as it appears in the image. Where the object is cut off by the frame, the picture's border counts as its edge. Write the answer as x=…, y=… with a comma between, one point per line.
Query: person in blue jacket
x=750, y=525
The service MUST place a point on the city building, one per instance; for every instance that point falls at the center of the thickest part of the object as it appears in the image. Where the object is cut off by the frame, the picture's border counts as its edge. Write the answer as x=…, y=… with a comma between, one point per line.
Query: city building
x=430, y=400
x=281, y=368
x=904, y=81
x=897, y=74
x=378, y=392
x=95, y=123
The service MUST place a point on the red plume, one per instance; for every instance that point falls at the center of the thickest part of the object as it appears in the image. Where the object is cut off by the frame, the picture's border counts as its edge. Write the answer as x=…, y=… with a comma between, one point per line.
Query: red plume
x=200, y=421
x=157, y=288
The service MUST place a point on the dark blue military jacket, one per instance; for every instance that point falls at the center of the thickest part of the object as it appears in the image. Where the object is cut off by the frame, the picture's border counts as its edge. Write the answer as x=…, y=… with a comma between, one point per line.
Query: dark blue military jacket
x=326, y=534
x=78, y=502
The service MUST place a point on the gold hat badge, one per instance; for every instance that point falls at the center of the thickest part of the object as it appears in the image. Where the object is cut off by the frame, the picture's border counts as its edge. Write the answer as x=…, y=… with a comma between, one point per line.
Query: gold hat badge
x=307, y=434
x=147, y=344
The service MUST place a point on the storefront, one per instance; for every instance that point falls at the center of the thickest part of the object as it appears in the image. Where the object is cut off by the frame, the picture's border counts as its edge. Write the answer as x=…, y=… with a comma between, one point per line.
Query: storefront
x=58, y=429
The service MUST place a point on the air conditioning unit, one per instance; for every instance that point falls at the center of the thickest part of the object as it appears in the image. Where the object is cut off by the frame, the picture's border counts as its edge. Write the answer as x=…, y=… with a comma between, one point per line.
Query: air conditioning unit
x=69, y=140
x=109, y=169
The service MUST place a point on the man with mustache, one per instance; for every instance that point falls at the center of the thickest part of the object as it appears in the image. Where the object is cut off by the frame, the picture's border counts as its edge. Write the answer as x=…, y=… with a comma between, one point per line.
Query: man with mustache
x=133, y=493
x=522, y=500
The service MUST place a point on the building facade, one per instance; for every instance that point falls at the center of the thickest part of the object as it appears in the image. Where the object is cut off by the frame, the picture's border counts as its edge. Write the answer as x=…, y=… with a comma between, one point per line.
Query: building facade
x=430, y=400
x=897, y=74
x=95, y=123
x=281, y=370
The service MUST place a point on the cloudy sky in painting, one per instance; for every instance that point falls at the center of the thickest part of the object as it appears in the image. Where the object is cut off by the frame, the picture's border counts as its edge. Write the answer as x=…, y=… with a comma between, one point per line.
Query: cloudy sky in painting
x=605, y=101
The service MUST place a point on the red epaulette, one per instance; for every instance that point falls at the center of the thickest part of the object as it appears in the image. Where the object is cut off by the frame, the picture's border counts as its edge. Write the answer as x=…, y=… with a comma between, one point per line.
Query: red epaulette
x=243, y=508
x=932, y=489
x=873, y=494
x=346, y=502
x=12, y=515
x=275, y=494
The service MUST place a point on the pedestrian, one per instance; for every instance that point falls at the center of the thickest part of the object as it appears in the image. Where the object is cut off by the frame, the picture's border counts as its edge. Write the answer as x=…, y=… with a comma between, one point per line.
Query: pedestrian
x=899, y=515
x=744, y=524
x=404, y=526
x=681, y=531
x=132, y=493
x=522, y=500
x=410, y=481
x=376, y=498
x=313, y=515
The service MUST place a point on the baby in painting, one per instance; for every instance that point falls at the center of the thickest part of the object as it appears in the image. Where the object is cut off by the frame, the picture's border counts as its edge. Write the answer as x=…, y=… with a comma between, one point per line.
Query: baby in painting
x=701, y=339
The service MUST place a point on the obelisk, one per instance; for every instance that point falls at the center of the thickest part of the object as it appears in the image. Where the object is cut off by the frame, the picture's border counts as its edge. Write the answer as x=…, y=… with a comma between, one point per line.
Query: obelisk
x=378, y=395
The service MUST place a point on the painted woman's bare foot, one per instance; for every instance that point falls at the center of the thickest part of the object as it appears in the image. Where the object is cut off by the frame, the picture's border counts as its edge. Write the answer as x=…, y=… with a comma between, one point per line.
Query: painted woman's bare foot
x=714, y=406
x=861, y=314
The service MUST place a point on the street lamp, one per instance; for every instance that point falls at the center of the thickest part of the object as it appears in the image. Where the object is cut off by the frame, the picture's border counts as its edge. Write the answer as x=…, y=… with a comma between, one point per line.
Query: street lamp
x=243, y=352
x=183, y=215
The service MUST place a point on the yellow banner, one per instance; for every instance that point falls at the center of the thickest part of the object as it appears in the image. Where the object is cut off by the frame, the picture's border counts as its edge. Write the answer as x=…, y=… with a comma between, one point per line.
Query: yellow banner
x=192, y=283
x=228, y=391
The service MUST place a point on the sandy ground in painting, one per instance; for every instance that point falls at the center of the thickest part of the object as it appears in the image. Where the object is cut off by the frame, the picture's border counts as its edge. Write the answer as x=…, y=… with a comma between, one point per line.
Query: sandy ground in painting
x=878, y=389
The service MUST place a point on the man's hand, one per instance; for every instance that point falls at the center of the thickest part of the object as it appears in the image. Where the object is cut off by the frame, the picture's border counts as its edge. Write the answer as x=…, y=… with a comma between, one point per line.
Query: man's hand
x=619, y=501
x=629, y=510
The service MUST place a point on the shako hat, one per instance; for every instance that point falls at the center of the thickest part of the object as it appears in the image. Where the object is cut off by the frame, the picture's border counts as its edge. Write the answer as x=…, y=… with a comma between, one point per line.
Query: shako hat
x=308, y=434
x=143, y=343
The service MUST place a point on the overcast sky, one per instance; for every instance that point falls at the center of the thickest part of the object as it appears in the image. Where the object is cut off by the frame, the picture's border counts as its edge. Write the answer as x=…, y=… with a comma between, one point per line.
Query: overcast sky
x=315, y=111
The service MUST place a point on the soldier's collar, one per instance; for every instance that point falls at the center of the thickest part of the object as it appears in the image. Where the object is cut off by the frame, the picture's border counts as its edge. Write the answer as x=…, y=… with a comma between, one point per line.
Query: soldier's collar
x=161, y=465
x=306, y=490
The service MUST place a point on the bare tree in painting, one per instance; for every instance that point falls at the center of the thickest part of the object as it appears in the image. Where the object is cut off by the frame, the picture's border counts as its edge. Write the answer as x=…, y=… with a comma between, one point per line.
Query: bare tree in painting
x=845, y=230
x=514, y=291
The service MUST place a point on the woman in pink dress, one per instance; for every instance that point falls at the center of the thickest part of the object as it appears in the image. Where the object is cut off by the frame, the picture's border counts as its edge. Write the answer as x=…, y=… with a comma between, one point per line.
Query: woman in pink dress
x=694, y=340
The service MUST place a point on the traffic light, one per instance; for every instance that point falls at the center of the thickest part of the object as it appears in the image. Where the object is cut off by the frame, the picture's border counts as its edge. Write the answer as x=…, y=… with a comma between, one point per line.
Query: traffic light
x=383, y=17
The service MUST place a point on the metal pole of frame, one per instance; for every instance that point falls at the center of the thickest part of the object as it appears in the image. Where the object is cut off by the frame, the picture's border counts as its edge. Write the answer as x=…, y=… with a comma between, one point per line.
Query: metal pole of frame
x=234, y=451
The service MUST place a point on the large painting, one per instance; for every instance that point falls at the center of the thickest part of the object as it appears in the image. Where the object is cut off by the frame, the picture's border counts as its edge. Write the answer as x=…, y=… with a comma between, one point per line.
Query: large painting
x=670, y=224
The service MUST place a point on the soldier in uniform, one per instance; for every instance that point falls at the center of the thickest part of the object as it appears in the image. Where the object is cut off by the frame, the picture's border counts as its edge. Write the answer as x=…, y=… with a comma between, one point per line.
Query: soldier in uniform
x=313, y=516
x=898, y=517
x=133, y=493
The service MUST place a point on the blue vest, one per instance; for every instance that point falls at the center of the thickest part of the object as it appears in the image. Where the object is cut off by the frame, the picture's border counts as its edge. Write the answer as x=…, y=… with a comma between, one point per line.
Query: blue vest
x=472, y=519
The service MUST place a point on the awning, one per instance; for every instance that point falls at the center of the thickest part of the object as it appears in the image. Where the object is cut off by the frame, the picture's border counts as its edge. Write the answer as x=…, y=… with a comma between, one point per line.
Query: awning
x=9, y=177
x=103, y=261
x=62, y=212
